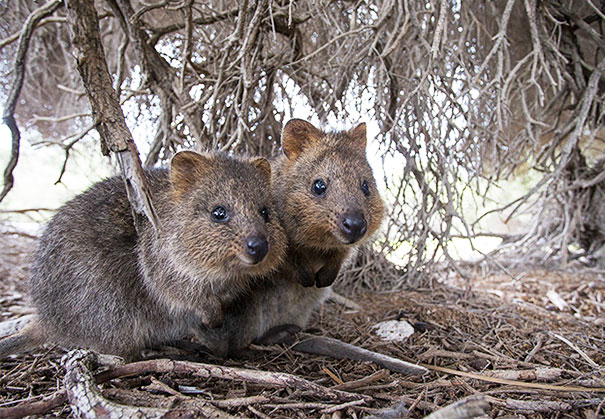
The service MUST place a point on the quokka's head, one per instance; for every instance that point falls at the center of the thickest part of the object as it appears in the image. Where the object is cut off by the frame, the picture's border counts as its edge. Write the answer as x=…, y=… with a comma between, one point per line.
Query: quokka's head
x=225, y=221
x=329, y=193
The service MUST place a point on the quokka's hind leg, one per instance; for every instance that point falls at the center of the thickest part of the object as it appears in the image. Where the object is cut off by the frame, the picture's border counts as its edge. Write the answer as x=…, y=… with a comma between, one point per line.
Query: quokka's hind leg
x=28, y=338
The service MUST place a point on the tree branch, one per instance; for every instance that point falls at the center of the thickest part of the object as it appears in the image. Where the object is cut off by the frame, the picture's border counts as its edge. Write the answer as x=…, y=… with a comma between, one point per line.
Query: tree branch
x=321, y=345
x=11, y=101
x=108, y=116
x=265, y=378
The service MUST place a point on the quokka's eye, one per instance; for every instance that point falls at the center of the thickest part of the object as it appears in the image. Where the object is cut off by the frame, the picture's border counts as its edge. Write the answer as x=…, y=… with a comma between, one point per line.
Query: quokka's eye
x=365, y=188
x=319, y=187
x=219, y=214
x=265, y=214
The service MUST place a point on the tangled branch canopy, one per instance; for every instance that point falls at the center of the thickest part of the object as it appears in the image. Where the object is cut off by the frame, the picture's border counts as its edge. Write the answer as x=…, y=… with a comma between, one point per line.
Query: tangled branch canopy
x=465, y=95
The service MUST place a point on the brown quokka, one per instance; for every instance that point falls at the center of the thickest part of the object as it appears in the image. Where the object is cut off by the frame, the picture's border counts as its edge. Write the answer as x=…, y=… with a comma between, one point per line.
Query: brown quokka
x=326, y=197
x=97, y=282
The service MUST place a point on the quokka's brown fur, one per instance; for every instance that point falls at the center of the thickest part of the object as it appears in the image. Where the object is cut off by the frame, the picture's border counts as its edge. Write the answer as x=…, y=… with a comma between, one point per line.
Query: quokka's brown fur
x=99, y=283
x=319, y=243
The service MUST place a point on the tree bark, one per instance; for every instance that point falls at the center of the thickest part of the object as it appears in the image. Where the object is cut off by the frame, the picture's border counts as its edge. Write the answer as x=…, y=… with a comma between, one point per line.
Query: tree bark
x=105, y=105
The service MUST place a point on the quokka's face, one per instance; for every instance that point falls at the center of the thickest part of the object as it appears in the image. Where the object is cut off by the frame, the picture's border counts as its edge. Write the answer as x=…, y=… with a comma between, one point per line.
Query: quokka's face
x=332, y=192
x=231, y=227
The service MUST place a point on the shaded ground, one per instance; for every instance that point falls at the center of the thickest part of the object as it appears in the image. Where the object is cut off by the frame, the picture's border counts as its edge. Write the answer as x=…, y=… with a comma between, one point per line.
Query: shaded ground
x=498, y=327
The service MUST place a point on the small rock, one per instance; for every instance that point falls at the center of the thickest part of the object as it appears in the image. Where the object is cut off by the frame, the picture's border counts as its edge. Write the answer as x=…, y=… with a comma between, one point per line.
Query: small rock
x=394, y=330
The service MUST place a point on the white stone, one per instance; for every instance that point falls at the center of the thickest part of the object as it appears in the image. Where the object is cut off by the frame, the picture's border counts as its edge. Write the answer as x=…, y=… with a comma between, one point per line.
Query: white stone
x=394, y=330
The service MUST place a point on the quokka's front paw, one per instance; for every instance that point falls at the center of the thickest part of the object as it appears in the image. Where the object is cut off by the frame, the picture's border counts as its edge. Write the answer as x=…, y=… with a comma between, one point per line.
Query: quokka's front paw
x=304, y=275
x=326, y=276
x=300, y=270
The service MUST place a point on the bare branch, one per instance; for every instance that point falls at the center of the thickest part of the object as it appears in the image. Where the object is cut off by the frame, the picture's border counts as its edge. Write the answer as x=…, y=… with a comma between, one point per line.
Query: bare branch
x=321, y=345
x=12, y=38
x=38, y=407
x=269, y=379
x=105, y=105
x=11, y=101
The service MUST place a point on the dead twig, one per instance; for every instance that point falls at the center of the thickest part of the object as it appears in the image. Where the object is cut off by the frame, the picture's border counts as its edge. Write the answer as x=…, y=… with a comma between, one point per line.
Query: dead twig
x=86, y=400
x=351, y=385
x=517, y=383
x=270, y=379
x=108, y=116
x=342, y=406
x=36, y=408
x=8, y=115
x=536, y=374
x=575, y=348
x=242, y=401
x=469, y=407
x=321, y=345
x=541, y=406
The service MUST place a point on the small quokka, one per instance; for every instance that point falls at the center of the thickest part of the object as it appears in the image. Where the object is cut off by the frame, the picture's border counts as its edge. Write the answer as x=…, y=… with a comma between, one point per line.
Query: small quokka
x=328, y=218
x=326, y=198
x=98, y=282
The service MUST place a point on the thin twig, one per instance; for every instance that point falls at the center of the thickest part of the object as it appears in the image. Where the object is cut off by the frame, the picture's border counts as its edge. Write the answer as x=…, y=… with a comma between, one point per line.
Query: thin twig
x=517, y=383
x=8, y=115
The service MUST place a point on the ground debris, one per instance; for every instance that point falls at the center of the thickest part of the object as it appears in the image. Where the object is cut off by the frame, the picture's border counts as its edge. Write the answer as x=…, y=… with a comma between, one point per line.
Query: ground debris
x=490, y=326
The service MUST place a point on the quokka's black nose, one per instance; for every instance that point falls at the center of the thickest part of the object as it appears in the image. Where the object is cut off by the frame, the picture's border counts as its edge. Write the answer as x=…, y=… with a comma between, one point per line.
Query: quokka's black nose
x=353, y=225
x=257, y=247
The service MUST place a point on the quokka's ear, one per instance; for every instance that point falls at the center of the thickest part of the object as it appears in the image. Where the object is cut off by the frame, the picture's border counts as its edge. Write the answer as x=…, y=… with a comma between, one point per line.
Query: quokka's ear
x=358, y=136
x=297, y=136
x=263, y=165
x=186, y=167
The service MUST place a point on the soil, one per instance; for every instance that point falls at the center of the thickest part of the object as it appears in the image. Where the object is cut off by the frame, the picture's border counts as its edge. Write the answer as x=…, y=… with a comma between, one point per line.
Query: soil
x=489, y=325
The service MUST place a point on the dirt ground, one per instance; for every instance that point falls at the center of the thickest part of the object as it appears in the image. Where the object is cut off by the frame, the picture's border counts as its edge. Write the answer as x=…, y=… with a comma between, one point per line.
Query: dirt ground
x=466, y=332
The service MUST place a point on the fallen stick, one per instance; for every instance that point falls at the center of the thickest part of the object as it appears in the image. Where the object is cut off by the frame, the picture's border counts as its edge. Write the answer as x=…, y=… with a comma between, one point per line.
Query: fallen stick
x=350, y=385
x=269, y=379
x=342, y=406
x=398, y=410
x=321, y=345
x=533, y=406
x=299, y=405
x=36, y=408
x=575, y=348
x=540, y=386
x=443, y=353
x=469, y=407
x=536, y=374
x=258, y=413
x=326, y=408
x=86, y=400
x=182, y=404
x=241, y=401
x=85, y=397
